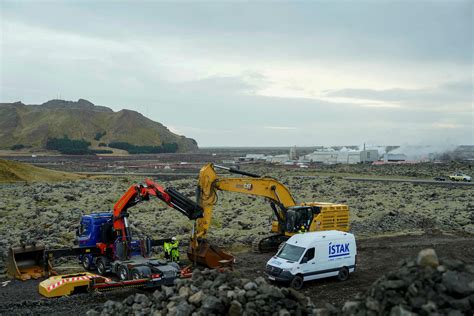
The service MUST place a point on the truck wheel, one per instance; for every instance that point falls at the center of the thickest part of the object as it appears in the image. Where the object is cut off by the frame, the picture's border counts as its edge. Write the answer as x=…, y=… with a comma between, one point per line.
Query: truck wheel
x=123, y=273
x=343, y=274
x=297, y=282
x=136, y=275
x=86, y=262
x=101, y=266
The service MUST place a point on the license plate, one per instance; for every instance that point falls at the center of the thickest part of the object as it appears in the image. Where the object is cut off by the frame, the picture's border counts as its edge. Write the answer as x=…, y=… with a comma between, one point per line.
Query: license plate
x=271, y=278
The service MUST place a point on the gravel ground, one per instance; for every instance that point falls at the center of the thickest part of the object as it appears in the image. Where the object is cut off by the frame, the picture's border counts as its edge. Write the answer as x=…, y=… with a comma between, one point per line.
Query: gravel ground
x=376, y=256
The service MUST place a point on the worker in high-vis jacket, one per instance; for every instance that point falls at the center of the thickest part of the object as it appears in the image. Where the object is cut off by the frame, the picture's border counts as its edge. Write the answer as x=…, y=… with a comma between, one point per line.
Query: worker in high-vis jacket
x=172, y=250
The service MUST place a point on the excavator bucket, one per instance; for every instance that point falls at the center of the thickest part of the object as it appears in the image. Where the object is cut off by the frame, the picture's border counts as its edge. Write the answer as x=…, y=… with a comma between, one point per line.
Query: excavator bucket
x=26, y=262
x=210, y=256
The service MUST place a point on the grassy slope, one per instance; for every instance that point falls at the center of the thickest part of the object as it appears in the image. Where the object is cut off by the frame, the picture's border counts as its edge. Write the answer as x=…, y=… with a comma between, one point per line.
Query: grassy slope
x=11, y=171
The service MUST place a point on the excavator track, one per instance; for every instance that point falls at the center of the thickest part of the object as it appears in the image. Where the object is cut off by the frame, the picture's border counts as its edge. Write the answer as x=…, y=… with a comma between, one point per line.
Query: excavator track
x=268, y=243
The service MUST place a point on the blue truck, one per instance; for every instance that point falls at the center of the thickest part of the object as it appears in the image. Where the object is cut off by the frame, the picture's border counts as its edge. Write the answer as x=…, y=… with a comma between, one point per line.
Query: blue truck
x=96, y=229
x=104, y=242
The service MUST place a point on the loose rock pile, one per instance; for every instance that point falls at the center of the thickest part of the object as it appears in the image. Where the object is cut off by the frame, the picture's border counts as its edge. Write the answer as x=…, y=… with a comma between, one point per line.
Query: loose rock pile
x=210, y=292
x=422, y=287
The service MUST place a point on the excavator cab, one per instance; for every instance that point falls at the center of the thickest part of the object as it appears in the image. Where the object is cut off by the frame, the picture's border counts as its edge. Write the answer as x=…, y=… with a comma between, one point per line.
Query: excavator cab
x=299, y=217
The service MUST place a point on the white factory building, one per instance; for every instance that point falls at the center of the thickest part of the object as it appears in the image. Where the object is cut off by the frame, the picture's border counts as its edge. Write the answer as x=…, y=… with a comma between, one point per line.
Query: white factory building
x=330, y=156
x=278, y=158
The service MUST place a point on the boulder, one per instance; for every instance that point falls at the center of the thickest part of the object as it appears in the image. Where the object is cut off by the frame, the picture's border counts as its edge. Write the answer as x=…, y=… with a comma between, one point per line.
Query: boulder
x=184, y=309
x=250, y=286
x=212, y=304
x=427, y=258
x=235, y=309
x=196, y=298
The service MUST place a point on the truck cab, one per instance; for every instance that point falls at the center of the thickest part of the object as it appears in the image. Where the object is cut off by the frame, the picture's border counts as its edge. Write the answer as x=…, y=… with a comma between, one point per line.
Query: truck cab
x=91, y=227
x=314, y=255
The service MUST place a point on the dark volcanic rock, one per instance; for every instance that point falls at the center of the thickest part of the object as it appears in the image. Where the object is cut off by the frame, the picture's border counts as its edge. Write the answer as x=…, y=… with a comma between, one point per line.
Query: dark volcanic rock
x=422, y=287
x=210, y=292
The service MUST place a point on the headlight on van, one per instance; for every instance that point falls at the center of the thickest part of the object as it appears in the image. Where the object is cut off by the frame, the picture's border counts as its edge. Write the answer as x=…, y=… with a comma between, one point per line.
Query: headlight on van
x=286, y=270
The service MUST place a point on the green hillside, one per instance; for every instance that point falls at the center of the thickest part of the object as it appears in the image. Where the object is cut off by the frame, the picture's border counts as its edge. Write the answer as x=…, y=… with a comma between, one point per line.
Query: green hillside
x=33, y=125
x=12, y=171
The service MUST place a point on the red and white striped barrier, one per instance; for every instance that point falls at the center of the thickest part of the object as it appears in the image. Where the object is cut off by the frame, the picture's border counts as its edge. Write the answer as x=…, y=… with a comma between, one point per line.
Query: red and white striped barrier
x=72, y=279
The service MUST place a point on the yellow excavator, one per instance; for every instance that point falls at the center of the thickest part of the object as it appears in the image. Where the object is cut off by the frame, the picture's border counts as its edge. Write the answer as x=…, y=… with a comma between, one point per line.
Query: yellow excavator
x=289, y=217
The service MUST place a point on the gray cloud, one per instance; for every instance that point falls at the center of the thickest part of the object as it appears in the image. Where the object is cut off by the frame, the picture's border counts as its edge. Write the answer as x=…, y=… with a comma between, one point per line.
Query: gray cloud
x=200, y=68
x=457, y=95
x=421, y=30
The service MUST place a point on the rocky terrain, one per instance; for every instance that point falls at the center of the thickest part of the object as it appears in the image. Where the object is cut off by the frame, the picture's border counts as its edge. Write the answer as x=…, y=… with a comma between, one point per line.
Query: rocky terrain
x=424, y=286
x=211, y=292
x=50, y=212
x=422, y=170
x=376, y=257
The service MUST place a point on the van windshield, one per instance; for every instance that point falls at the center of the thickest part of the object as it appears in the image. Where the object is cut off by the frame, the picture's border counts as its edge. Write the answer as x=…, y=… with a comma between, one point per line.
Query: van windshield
x=290, y=252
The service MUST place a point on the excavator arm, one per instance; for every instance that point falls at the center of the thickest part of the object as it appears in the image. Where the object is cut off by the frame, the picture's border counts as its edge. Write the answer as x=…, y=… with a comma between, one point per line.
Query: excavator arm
x=210, y=183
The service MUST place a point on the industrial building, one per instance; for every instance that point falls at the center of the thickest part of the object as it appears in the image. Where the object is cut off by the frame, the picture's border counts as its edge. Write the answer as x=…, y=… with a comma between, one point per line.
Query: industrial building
x=278, y=158
x=388, y=157
x=330, y=156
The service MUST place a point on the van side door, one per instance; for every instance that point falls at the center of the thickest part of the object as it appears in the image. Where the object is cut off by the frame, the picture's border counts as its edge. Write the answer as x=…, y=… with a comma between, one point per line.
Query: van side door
x=308, y=264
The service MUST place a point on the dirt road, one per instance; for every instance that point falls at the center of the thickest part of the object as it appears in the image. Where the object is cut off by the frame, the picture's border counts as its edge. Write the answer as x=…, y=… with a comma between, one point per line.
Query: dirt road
x=375, y=257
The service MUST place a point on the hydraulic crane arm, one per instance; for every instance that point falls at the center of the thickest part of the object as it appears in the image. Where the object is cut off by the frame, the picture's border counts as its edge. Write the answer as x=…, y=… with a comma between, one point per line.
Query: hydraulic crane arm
x=134, y=195
x=175, y=200
x=138, y=193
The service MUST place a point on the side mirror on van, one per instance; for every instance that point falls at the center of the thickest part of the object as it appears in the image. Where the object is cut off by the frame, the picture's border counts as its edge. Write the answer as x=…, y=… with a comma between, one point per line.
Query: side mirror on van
x=304, y=260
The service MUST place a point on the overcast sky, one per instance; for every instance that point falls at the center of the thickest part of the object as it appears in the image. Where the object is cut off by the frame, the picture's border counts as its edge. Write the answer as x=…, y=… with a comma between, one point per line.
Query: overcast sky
x=254, y=73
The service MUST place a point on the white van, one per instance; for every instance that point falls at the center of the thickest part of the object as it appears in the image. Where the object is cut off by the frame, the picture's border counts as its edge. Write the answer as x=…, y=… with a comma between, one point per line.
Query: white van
x=315, y=255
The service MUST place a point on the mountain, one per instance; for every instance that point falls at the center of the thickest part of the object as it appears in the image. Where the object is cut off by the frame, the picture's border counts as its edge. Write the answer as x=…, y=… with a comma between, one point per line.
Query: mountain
x=33, y=125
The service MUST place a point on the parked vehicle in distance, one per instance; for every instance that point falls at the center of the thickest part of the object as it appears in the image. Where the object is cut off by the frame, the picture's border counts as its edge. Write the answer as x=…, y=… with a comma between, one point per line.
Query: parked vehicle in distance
x=439, y=178
x=459, y=176
x=311, y=256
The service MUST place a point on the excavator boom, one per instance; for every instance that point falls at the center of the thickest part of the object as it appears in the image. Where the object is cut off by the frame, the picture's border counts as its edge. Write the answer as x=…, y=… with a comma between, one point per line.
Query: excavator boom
x=210, y=183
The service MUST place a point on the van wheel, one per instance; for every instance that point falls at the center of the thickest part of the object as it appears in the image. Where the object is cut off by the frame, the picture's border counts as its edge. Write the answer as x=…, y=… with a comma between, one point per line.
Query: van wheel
x=297, y=282
x=343, y=274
